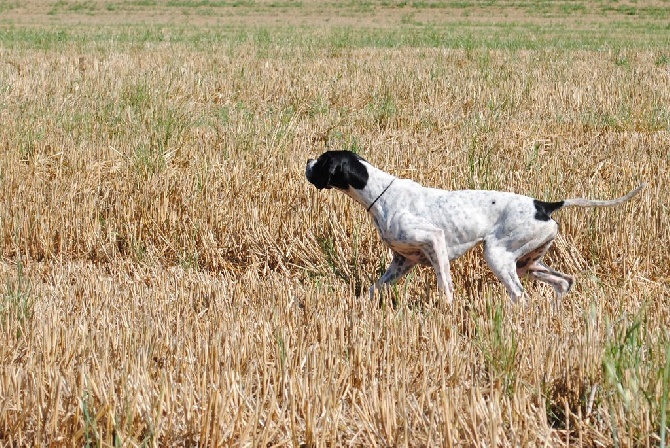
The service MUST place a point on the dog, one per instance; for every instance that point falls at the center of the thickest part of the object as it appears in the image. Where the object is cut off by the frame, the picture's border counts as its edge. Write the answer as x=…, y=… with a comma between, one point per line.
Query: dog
x=430, y=226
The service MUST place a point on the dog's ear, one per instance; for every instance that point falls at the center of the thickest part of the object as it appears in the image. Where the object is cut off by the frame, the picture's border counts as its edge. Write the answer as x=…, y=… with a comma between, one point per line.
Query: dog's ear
x=349, y=172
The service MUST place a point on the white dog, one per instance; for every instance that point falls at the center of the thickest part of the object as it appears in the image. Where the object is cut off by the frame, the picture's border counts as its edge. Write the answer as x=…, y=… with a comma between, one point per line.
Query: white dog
x=431, y=226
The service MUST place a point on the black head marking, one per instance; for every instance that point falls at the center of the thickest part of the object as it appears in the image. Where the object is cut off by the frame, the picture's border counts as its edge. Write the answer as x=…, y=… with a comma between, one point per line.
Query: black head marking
x=338, y=169
x=543, y=210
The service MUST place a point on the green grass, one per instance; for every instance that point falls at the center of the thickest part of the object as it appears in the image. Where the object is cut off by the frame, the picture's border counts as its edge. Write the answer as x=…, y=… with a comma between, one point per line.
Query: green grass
x=499, y=346
x=462, y=34
x=632, y=370
x=16, y=306
x=82, y=7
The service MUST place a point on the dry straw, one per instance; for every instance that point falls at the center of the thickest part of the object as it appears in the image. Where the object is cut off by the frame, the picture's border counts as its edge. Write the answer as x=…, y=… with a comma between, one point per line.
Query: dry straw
x=170, y=278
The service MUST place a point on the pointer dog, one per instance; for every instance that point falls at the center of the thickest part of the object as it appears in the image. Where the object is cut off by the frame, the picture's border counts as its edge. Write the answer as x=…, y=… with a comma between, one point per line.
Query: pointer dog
x=429, y=226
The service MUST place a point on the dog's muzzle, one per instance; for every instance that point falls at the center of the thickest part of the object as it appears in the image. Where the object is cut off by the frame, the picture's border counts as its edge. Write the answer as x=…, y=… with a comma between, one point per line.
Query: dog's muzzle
x=309, y=173
x=308, y=169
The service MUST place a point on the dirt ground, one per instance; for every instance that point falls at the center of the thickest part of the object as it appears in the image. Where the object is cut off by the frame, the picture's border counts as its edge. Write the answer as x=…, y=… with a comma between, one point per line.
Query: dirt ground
x=367, y=14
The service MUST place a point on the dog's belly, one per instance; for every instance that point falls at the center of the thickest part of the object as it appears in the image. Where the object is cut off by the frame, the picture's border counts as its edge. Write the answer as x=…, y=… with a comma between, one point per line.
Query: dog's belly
x=456, y=250
x=416, y=255
x=409, y=251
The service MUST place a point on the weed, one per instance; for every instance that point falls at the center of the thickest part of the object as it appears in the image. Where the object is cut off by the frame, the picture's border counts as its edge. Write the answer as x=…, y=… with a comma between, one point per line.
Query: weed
x=662, y=59
x=383, y=109
x=499, y=347
x=346, y=270
x=17, y=304
x=340, y=141
x=148, y=160
x=665, y=392
x=626, y=365
x=90, y=434
x=480, y=164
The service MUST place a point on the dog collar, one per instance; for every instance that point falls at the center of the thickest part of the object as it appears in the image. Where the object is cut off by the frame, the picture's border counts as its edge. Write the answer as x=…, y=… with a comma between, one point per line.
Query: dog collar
x=381, y=194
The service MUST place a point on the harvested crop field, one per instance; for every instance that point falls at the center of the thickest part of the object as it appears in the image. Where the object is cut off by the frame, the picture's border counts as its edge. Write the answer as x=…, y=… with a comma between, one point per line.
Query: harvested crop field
x=168, y=277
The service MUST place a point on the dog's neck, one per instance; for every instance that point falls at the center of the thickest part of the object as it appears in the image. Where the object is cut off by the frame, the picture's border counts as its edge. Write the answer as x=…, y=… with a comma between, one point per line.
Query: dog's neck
x=372, y=194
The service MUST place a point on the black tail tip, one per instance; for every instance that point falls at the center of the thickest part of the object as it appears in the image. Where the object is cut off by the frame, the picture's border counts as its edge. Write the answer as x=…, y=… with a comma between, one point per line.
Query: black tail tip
x=543, y=210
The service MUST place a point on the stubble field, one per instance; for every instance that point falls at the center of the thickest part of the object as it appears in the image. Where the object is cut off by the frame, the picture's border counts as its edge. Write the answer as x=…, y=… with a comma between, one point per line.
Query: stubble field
x=169, y=278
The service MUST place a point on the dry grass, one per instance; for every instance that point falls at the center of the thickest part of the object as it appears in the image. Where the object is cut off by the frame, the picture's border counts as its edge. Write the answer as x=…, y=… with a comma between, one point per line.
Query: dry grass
x=170, y=278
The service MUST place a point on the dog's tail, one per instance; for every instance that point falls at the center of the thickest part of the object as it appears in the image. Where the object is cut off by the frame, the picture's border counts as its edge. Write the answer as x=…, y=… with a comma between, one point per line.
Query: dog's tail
x=543, y=210
x=582, y=202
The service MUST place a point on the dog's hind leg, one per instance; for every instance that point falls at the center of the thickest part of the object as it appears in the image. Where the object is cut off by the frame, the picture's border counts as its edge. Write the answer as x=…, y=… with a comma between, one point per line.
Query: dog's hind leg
x=530, y=264
x=562, y=283
x=524, y=262
x=503, y=265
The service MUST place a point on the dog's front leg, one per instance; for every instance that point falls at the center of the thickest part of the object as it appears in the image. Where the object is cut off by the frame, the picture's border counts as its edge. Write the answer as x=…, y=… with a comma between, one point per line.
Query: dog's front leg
x=430, y=239
x=397, y=269
x=435, y=250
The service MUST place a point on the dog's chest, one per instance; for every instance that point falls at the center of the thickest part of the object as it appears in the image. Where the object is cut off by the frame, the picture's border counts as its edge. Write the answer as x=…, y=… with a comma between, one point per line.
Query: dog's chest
x=399, y=240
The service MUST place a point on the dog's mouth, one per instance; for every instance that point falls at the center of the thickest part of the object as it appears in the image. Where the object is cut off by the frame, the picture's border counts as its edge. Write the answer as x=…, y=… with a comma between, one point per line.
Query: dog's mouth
x=313, y=177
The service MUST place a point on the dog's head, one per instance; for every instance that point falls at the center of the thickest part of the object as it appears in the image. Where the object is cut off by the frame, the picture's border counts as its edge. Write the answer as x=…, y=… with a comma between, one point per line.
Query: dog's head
x=337, y=169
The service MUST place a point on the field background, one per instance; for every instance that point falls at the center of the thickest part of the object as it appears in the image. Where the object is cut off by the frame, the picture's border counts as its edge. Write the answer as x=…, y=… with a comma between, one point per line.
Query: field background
x=169, y=278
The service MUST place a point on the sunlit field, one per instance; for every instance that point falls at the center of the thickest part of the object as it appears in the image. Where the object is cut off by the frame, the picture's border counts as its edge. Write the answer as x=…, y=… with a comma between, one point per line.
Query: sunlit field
x=168, y=277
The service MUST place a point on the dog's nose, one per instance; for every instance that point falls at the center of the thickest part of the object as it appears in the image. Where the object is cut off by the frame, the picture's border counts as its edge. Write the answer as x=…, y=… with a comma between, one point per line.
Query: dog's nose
x=310, y=164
